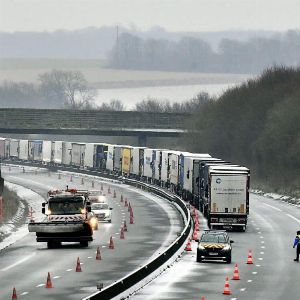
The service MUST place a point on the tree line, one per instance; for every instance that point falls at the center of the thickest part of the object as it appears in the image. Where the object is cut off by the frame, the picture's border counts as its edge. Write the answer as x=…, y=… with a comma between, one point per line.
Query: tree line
x=69, y=90
x=258, y=125
x=192, y=54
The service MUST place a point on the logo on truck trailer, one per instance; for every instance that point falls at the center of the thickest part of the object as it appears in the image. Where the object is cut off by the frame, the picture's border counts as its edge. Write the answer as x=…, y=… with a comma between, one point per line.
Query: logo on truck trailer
x=218, y=180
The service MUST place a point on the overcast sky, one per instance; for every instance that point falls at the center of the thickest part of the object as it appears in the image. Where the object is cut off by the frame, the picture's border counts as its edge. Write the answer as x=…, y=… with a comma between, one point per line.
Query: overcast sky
x=174, y=15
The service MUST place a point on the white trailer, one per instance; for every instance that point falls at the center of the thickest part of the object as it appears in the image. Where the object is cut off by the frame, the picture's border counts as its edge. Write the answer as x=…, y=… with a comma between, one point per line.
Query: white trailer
x=174, y=167
x=148, y=165
x=89, y=155
x=48, y=149
x=77, y=156
x=58, y=151
x=23, y=150
x=164, y=166
x=4, y=147
x=14, y=148
x=110, y=158
x=66, y=153
x=137, y=159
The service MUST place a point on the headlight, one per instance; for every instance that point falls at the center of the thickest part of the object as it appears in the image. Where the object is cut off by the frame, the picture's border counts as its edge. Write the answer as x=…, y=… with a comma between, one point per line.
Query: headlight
x=48, y=212
x=227, y=247
x=201, y=247
x=93, y=221
x=83, y=210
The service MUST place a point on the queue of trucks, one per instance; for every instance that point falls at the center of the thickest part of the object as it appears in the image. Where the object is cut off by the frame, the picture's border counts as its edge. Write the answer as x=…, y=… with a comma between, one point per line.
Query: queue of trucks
x=220, y=189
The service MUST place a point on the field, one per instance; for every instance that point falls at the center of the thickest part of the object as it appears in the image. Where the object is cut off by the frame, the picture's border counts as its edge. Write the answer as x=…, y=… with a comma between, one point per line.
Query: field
x=98, y=76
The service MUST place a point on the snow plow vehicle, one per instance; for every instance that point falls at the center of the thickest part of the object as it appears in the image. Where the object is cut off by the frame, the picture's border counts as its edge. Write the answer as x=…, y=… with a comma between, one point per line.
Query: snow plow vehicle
x=68, y=218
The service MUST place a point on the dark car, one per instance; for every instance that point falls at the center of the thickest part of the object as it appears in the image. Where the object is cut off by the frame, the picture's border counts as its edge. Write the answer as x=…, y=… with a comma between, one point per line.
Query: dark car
x=214, y=245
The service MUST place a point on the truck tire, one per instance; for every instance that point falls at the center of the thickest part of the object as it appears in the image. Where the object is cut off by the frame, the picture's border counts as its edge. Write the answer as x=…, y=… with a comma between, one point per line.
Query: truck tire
x=84, y=243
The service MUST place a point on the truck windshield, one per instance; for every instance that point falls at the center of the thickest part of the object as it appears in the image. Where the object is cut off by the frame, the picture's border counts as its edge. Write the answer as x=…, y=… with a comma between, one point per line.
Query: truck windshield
x=213, y=238
x=62, y=206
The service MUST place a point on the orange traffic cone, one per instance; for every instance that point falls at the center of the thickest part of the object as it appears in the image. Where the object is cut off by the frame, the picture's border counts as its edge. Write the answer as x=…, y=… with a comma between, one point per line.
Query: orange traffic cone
x=115, y=195
x=236, y=275
x=98, y=255
x=111, y=243
x=131, y=219
x=78, y=266
x=129, y=207
x=126, y=203
x=121, y=200
x=82, y=181
x=131, y=212
x=188, y=246
x=195, y=235
x=250, y=259
x=49, y=282
x=202, y=298
x=122, y=236
x=14, y=294
x=226, y=288
x=125, y=226
x=109, y=192
x=197, y=226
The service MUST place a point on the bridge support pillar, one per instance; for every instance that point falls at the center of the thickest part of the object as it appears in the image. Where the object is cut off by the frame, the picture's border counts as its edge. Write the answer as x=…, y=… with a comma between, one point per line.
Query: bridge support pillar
x=142, y=140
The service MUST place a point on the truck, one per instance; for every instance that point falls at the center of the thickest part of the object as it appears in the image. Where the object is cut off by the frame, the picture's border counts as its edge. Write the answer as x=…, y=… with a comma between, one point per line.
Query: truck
x=226, y=196
x=67, y=218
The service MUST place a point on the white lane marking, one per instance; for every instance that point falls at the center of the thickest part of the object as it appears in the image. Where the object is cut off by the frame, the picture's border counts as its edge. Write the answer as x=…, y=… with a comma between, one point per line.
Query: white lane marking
x=258, y=266
x=117, y=233
x=69, y=270
x=250, y=280
x=82, y=263
x=19, y=262
x=262, y=242
x=262, y=252
x=262, y=247
x=24, y=293
x=294, y=218
x=243, y=289
x=41, y=284
x=260, y=258
x=259, y=232
x=56, y=277
x=103, y=246
x=254, y=273
x=257, y=228
x=89, y=257
x=261, y=237
x=233, y=298
x=278, y=209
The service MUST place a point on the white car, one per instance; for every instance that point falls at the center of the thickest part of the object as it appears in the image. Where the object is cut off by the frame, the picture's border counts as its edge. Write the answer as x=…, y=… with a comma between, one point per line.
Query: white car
x=96, y=196
x=102, y=211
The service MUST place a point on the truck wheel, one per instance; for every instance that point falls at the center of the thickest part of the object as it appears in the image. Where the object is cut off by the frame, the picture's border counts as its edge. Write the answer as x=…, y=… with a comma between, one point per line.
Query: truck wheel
x=84, y=243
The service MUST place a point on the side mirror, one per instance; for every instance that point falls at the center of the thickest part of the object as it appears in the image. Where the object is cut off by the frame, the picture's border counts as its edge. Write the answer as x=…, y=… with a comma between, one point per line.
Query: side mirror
x=43, y=204
x=231, y=242
x=43, y=210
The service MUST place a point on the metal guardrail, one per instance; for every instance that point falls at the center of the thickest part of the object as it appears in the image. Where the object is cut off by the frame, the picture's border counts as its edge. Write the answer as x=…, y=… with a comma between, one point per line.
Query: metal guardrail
x=130, y=280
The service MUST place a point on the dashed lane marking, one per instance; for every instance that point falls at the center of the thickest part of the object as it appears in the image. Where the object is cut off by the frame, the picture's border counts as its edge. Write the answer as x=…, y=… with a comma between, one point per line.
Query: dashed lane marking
x=275, y=208
x=89, y=257
x=262, y=247
x=56, y=277
x=69, y=270
x=243, y=289
x=41, y=284
x=260, y=258
x=254, y=273
x=258, y=266
x=250, y=280
x=262, y=252
x=262, y=242
x=24, y=293
x=261, y=237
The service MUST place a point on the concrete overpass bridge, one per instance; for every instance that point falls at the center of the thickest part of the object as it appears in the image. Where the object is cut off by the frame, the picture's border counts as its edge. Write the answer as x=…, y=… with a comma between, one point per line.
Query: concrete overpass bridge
x=92, y=122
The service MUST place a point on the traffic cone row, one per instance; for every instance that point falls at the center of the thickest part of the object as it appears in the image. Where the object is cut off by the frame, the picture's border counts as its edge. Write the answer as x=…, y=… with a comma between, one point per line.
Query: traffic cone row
x=195, y=235
x=122, y=236
x=131, y=221
x=126, y=203
x=129, y=207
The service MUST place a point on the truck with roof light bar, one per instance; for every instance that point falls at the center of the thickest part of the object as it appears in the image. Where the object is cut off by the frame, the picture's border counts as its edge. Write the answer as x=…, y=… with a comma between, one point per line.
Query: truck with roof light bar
x=68, y=218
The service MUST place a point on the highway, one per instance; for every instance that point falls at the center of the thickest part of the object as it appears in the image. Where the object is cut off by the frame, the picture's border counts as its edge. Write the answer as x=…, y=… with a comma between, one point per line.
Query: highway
x=274, y=275
x=25, y=264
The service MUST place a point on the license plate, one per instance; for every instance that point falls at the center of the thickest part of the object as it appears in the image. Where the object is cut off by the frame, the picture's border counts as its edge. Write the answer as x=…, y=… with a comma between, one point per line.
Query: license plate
x=213, y=253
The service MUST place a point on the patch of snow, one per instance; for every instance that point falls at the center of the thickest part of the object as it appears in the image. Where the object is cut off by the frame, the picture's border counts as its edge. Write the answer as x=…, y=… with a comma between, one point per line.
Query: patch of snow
x=14, y=233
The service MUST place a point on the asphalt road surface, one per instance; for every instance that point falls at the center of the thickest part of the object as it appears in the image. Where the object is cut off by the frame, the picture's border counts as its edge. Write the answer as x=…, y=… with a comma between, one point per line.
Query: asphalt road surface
x=274, y=275
x=25, y=264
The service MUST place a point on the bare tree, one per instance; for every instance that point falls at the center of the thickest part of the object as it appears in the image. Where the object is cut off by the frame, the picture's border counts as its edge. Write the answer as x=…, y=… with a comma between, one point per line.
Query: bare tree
x=66, y=88
x=113, y=105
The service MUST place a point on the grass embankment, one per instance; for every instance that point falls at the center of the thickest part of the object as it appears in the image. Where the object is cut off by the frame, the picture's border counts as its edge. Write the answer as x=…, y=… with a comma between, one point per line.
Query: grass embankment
x=10, y=204
x=257, y=125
